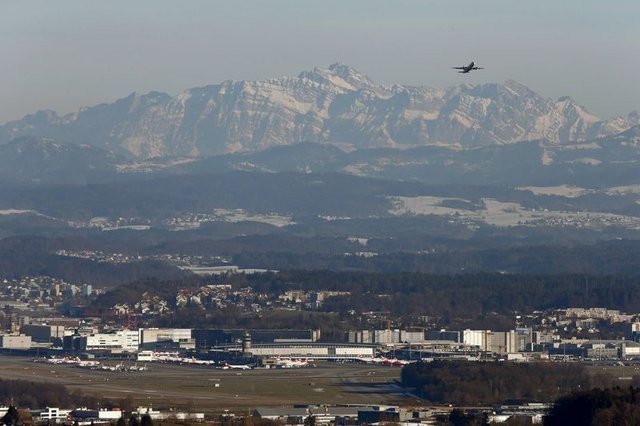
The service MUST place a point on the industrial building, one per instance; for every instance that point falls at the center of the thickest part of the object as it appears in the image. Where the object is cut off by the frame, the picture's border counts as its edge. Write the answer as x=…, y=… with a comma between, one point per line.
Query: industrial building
x=208, y=338
x=44, y=333
x=327, y=351
x=15, y=341
x=166, y=338
x=500, y=342
x=120, y=341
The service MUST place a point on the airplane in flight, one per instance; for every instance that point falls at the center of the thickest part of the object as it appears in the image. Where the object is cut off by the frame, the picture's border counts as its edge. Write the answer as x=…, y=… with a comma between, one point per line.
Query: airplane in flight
x=466, y=69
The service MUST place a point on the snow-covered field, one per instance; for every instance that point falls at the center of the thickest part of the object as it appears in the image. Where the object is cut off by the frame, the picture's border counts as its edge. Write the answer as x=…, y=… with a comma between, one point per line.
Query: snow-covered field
x=14, y=211
x=560, y=190
x=506, y=214
x=242, y=216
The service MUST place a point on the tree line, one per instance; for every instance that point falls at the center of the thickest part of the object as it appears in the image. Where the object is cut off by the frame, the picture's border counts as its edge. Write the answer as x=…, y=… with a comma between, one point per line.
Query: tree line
x=465, y=295
x=489, y=383
x=24, y=393
x=608, y=406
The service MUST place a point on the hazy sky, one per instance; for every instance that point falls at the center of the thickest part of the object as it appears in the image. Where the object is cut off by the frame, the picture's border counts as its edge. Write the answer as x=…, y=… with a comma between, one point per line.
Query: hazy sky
x=62, y=55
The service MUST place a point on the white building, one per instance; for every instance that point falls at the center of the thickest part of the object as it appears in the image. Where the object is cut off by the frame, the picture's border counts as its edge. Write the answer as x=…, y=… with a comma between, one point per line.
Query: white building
x=15, y=341
x=313, y=350
x=154, y=335
x=50, y=413
x=163, y=415
x=87, y=289
x=145, y=356
x=479, y=338
x=120, y=341
x=629, y=349
x=113, y=414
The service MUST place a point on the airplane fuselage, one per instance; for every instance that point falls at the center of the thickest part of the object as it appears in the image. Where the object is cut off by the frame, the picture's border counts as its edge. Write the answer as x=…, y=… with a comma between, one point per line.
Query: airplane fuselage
x=228, y=366
x=467, y=68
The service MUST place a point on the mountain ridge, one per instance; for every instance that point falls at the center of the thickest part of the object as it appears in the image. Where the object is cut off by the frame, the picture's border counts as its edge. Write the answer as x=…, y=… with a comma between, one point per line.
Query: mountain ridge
x=335, y=105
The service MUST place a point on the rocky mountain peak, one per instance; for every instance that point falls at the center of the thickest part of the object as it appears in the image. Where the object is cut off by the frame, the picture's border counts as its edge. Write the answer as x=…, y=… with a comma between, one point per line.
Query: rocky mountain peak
x=567, y=106
x=351, y=75
x=340, y=75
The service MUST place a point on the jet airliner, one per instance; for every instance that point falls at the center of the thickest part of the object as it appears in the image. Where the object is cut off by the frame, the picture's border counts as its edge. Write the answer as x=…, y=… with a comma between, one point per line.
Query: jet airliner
x=227, y=366
x=466, y=69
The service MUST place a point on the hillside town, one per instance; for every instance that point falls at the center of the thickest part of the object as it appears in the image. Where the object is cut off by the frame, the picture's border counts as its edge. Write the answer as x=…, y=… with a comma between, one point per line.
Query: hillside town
x=44, y=313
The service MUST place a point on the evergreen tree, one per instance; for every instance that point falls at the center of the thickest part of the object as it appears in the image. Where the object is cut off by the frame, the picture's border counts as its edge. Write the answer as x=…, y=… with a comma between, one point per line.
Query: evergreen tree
x=146, y=420
x=12, y=417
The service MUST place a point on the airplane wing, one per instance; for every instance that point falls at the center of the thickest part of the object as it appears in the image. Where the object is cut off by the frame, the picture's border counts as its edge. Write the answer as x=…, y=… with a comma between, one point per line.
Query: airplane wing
x=458, y=68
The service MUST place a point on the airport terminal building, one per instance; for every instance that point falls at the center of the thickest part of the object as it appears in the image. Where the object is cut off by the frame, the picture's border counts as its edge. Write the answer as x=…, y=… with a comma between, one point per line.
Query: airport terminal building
x=326, y=351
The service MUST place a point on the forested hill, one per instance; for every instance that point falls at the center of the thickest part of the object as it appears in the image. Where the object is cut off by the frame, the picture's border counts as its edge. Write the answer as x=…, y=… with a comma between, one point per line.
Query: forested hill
x=33, y=256
x=474, y=256
x=413, y=294
x=462, y=295
x=30, y=256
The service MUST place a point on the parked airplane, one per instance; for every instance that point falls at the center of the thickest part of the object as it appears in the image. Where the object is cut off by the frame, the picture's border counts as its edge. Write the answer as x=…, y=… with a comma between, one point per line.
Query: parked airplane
x=166, y=357
x=136, y=367
x=227, y=366
x=395, y=361
x=65, y=360
x=193, y=360
x=88, y=364
x=466, y=69
x=371, y=360
x=384, y=361
x=286, y=362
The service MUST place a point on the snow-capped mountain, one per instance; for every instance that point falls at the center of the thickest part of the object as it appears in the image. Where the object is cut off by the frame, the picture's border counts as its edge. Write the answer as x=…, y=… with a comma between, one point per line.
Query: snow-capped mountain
x=337, y=105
